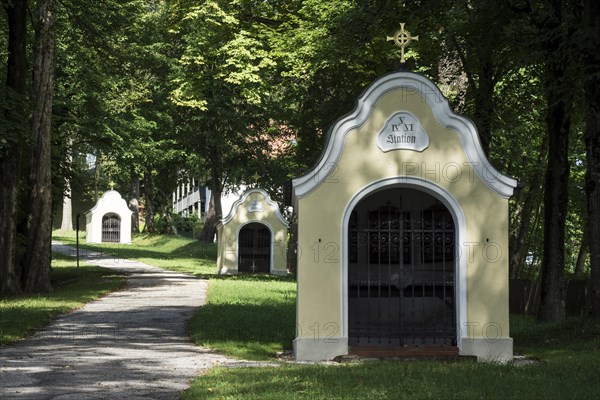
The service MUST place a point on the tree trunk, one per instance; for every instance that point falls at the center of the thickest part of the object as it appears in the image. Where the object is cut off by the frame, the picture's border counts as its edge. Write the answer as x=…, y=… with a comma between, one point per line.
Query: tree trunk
x=15, y=122
x=67, y=210
x=559, y=96
x=532, y=241
x=36, y=278
x=134, y=203
x=208, y=229
x=592, y=142
x=165, y=216
x=518, y=246
x=214, y=217
x=97, y=165
x=582, y=255
x=148, y=195
x=484, y=101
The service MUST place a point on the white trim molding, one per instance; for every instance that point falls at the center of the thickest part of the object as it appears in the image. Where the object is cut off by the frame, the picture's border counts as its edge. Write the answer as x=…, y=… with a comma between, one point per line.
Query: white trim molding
x=243, y=198
x=466, y=130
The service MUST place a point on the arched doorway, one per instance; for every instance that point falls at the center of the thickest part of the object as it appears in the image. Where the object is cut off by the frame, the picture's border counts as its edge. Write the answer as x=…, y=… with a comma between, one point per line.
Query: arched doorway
x=254, y=254
x=401, y=270
x=111, y=228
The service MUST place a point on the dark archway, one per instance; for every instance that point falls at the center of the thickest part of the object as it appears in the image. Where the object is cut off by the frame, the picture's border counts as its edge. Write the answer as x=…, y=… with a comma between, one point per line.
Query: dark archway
x=111, y=228
x=401, y=271
x=254, y=248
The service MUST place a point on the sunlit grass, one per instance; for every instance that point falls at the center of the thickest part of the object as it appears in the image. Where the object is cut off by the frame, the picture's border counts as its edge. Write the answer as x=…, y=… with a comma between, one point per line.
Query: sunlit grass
x=247, y=316
x=401, y=380
x=22, y=315
x=174, y=253
x=569, y=367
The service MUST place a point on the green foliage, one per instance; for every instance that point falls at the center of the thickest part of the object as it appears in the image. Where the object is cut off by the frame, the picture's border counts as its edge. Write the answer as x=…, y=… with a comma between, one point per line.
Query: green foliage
x=225, y=89
x=188, y=225
x=221, y=90
x=401, y=380
x=550, y=339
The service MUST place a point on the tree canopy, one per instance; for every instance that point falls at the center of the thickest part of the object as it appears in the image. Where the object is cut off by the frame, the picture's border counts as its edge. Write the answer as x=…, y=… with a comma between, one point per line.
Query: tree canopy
x=147, y=93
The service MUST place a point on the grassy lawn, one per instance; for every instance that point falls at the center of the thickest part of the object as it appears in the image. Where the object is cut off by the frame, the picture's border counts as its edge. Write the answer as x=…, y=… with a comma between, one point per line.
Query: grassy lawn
x=400, y=380
x=174, y=253
x=247, y=316
x=569, y=368
x=21, y=315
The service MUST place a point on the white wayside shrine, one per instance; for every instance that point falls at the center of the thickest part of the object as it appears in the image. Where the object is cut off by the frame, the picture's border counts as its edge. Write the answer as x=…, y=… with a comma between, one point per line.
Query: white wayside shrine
x=403, y=233
x=253, y=237
x=109, y=221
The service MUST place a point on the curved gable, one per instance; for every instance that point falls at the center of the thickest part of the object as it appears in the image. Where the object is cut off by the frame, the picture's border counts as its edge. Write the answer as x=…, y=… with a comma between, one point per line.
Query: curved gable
x=253, y=206
x=111, y=202
x=429, y=93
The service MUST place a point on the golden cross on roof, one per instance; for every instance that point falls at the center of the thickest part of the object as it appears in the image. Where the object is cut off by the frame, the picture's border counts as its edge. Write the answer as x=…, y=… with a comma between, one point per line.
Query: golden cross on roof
x=256, y=177
x=112, y=185
x=401, y=39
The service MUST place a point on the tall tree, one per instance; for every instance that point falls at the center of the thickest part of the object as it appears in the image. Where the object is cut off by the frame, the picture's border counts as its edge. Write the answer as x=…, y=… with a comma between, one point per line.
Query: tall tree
x=485, y=62
x=222, y=87
x=557, y=30
x=36, y=271
x=591, y=43
x=14, y=125
x=67, y=208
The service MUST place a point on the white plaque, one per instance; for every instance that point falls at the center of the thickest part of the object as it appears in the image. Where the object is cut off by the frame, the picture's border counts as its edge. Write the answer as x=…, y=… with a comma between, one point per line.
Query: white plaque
x=255, y=206
x=402, y=131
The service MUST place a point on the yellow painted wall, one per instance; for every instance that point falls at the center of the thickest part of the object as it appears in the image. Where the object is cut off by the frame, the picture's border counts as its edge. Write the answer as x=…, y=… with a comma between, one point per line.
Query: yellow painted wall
x=227, y=232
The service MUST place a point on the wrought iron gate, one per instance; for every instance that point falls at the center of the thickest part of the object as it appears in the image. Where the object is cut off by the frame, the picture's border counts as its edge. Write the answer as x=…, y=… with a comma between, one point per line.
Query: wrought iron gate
x=401, y=276
x=254, y=248
x=111, y=228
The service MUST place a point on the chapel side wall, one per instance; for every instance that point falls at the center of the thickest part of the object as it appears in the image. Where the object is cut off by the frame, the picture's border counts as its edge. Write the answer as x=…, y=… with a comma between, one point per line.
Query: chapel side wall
x=89, y=234
x=96, y=229
x=126, y=227
x=486, y=250
x=279, y=247
x=318, y=271
x=220, y=250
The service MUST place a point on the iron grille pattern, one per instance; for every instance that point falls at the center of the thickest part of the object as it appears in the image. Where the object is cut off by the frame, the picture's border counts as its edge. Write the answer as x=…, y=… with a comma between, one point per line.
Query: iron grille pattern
x=111, y=228
x=401, y=277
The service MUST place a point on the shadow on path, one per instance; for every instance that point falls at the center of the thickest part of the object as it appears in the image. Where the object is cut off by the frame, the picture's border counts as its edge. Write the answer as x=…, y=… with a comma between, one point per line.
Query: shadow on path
x=131, y=344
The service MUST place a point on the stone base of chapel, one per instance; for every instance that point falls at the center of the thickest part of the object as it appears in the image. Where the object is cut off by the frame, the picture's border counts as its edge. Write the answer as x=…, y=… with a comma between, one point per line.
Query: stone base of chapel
x=230, y=271
x=499, y=350
x=319, y=349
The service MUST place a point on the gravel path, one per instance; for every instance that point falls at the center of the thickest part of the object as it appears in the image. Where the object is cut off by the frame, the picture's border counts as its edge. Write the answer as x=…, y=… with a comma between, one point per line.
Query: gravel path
x=131, y=344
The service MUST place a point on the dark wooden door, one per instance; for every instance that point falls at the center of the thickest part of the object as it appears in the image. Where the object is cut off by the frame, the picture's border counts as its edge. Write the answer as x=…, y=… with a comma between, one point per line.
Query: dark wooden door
x=254, y=243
